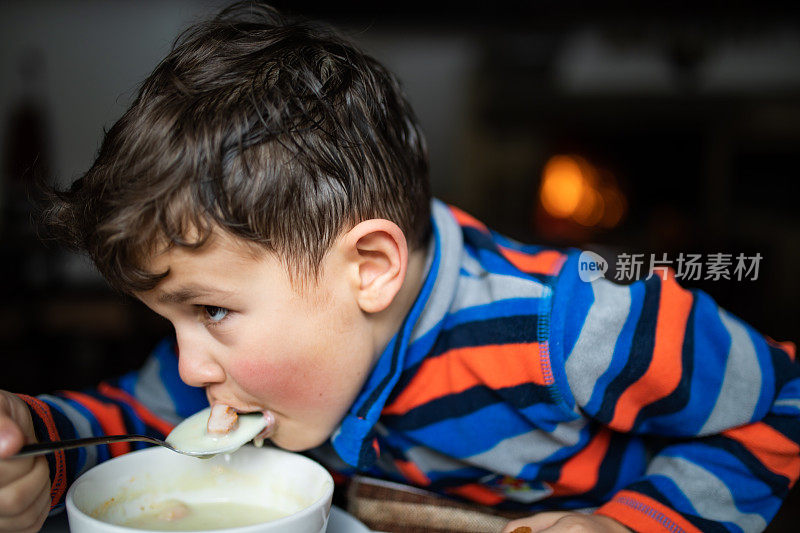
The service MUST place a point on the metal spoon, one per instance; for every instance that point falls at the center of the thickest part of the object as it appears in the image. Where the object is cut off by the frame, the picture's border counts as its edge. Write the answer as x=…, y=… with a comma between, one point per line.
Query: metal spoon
x=189, y=438
x=49, y=447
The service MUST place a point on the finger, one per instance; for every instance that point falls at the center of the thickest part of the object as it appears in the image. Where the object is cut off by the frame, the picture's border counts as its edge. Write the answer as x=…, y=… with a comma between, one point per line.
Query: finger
x=30, y=519
x=11, y=436
x=14, y=469
x=22, y=492
x=537, y=522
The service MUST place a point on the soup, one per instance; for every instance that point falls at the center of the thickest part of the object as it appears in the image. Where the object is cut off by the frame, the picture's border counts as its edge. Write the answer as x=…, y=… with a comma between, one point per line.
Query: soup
x=175, y=515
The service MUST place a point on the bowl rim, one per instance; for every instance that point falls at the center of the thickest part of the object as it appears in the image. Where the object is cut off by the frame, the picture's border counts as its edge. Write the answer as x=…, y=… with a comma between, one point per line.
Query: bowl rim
x=72, y=508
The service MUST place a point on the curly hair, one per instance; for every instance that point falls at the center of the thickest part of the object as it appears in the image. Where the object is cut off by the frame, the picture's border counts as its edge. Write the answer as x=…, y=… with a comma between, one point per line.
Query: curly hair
x=271, y=128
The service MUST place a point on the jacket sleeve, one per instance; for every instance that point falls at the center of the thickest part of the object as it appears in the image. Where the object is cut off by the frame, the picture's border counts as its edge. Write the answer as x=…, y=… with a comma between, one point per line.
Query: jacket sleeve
x=716, y=404
x=149, y=401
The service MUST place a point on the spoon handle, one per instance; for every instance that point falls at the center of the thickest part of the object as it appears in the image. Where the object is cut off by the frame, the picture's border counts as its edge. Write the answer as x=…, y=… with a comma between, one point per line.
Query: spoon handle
x=41, y=448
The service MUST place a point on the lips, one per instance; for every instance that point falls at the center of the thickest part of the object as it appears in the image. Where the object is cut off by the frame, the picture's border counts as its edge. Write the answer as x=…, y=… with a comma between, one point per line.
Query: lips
x=269, y=416
x=272, y=423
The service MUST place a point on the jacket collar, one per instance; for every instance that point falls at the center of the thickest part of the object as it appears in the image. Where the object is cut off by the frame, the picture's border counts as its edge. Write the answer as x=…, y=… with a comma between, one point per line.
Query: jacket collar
x=354, y=440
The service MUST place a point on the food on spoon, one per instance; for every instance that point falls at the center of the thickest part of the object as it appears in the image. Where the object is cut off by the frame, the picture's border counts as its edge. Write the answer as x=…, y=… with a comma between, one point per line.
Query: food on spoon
x=193, y=435
x=223, y=419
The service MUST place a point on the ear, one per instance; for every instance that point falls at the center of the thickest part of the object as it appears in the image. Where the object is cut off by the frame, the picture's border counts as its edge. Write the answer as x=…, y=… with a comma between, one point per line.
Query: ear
x=378, y=252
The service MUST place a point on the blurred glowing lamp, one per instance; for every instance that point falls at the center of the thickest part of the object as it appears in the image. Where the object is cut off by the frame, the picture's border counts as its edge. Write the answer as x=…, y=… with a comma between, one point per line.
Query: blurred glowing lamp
x=573, y=189
x=562, y=186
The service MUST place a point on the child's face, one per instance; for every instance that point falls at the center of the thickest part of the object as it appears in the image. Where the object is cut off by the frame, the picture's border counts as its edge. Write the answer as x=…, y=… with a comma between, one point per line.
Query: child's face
x=257, y=344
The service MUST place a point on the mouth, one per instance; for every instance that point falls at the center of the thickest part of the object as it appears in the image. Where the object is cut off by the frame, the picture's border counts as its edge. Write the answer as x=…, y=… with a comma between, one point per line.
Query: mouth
x=269, y=416
x=272, y=424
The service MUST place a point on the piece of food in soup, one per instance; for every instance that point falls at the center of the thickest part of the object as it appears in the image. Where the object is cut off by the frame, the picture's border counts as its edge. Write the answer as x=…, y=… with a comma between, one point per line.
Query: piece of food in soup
x=173, y=510
x=222, y=420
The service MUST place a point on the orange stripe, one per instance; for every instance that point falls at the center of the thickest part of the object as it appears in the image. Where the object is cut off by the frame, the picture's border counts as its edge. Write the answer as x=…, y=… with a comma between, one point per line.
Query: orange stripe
x=141, y=411
x=477, y=493
x=775, y=451
x=465, y=219
x=376, y=447
x=580, y=474
x=664, y=373
x=496, y=365
x=787, y=346
x=545, y=262
x=412, y=473
x=108, y=415
x=59, y=485
x=641, y=513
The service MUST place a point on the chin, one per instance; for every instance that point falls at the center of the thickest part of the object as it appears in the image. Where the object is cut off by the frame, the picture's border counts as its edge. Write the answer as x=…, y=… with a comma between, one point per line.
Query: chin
x=299, y=444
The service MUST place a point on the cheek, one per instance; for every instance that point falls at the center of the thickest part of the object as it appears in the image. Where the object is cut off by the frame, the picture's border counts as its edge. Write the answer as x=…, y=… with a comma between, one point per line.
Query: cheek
x=288, y=384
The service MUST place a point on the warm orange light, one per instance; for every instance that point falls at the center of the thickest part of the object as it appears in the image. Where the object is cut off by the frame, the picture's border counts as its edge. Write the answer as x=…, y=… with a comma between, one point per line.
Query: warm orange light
x=574, y=189
x=590, y=209
x=562, y=186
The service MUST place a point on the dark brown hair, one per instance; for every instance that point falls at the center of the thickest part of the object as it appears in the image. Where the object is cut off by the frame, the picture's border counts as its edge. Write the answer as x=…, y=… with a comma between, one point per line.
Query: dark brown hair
x=274, y=129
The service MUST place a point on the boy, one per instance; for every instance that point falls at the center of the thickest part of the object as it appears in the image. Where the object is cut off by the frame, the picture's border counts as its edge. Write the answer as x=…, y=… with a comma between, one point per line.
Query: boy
x=267, y=193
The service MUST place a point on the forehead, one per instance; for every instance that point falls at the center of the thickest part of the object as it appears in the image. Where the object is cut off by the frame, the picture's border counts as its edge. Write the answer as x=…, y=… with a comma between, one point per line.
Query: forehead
x=222, y=256
x=218, y=243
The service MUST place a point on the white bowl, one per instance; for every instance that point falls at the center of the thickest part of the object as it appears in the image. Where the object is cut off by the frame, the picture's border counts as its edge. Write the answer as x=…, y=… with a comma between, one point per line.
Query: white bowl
x=125, y=487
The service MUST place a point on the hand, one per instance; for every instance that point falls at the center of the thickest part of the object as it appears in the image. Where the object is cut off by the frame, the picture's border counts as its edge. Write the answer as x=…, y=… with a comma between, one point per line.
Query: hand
x=567, y=522
x=24, y=482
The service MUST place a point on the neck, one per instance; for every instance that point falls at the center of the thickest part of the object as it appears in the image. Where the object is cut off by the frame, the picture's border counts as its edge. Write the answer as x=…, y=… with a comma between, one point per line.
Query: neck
x=387, y=323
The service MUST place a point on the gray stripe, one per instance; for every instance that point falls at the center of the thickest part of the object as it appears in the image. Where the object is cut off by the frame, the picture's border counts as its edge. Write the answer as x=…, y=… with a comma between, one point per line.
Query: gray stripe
x=151, y=392
x=741, y=385
x=511, y=455
x=793, y=403
x=472, y=266
x=82, y=426
x=451, y=244
x=708, y=494
x=492, y=288
x=594, y=349
x=429, y=460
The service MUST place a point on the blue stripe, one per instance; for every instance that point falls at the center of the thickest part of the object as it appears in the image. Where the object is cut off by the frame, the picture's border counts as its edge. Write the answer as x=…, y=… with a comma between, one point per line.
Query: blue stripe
x=128, y=383
x=97, y=430
x=633, y=462
x=711, y=345
x=464, y=436
x=499, y=309
x=492, y=331
x=789, y=392
x=622, y=349
x=581, y=299
x=528, y=398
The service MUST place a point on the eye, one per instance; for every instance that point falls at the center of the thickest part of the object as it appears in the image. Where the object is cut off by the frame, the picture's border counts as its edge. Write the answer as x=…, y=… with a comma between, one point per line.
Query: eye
x=215, y=314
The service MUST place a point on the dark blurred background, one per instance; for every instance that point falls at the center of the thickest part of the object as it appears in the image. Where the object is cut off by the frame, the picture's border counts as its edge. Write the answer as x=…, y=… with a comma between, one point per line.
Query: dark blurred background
x=615, y=127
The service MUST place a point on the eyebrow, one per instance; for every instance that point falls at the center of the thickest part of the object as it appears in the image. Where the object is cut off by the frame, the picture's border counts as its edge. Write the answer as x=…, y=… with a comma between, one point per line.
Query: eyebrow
x=185, y=294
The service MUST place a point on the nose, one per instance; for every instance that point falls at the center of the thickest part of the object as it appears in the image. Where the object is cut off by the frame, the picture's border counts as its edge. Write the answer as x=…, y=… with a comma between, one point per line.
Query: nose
x=196, y=366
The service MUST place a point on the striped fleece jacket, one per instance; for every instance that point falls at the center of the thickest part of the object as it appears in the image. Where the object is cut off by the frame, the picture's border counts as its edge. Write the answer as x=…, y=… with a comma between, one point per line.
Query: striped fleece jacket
x=515, y=384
